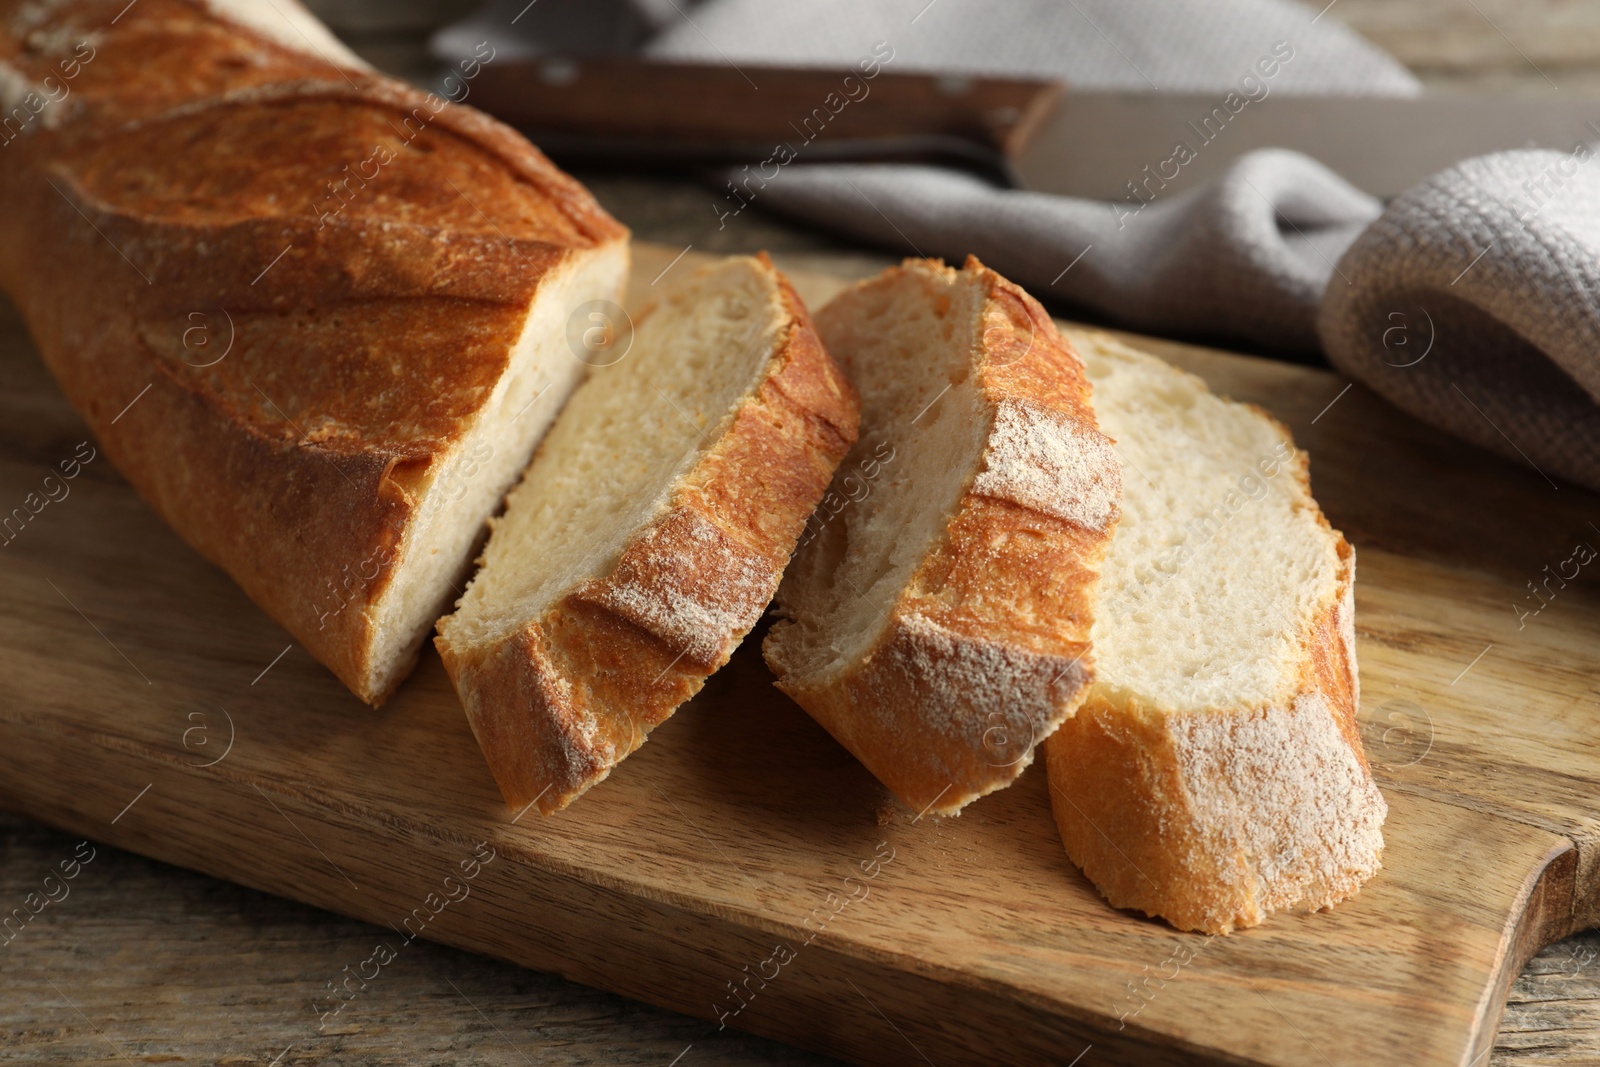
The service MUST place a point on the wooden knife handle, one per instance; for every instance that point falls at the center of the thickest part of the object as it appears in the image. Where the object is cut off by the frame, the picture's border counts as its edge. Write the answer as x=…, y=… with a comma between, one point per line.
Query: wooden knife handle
x=622, y=100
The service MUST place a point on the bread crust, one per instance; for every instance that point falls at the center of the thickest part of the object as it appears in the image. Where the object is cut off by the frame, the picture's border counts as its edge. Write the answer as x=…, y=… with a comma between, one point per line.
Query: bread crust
x=580, y=688
x=985, y=651
x=173, y=195
x=1212, y=820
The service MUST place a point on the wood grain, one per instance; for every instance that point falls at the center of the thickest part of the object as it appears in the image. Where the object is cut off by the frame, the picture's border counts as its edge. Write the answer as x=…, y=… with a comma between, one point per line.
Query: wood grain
x=153, y=964
x=1538, y=46
x=978, y=941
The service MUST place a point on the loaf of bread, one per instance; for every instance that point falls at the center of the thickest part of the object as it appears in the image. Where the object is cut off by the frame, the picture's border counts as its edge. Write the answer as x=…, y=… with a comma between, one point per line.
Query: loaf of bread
x=649, y=533
x=1215, y=773
x=316, y=317
x=937, y=623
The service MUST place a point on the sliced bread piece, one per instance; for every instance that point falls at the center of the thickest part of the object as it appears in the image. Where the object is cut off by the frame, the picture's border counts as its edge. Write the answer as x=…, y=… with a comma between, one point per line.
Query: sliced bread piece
x=922, y=623
x=1215, y=773
x=649, y=532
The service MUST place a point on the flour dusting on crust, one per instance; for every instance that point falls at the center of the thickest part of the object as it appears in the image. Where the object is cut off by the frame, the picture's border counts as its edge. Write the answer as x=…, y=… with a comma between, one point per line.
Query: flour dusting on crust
x=962, y=683
x=1281, y=788
x=690, y=584
x=1050, y=462
x=33, y=13
x=14, y=89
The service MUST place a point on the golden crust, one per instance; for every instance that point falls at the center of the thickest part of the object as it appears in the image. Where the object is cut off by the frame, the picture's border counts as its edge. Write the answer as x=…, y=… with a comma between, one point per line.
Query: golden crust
x=183, y=186
x=555, y=710
x=1214, y=820
x=986, y=649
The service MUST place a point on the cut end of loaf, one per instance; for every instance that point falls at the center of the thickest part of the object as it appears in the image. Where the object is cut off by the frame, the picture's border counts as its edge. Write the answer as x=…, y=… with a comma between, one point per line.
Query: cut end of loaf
x=460, y=490
x=649, y=532
x=936, y=621
x=340, y=459
x=1215, y=773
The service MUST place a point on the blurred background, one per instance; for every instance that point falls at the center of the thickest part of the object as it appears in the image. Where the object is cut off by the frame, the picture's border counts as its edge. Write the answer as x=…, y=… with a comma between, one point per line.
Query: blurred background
x=1526, y=47
x=1448, y=44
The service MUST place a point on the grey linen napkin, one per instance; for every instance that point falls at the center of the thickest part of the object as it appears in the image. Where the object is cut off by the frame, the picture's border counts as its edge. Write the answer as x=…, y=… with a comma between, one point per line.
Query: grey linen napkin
x=1474, y=304
x=1245, y=257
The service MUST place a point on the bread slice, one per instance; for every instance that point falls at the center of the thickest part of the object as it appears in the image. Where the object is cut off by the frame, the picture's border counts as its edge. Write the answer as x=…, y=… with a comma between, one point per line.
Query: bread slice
x=317, y=318
x=1215, y=773
x=649, y=533
x=937, y=624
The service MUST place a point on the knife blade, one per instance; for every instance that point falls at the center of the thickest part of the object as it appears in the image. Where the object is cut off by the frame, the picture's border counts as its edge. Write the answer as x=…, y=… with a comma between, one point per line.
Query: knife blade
x=1113, y=146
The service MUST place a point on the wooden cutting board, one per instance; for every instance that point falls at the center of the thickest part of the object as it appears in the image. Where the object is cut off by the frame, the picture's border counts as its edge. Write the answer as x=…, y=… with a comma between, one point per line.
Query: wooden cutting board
x=148, y=704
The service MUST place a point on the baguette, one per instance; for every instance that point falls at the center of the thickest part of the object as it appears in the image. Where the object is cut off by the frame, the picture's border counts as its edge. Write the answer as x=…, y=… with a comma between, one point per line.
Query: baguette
x=1215, y=773
x=314, y=316
x=938, y=623
x=649, y=533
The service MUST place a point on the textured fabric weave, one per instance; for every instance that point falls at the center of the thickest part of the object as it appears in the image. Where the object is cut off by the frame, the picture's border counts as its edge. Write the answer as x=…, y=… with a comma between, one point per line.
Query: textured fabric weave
x=1244, y=258
x=1474, y=303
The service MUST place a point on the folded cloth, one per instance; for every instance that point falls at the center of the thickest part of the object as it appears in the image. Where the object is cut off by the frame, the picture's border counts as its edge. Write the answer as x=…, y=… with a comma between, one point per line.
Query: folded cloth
x=1474, y=304
x=1245, y=257
x=1472, y=301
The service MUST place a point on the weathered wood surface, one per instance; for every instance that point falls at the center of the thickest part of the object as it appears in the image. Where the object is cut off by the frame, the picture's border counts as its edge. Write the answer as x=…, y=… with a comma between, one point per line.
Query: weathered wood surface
x=166, y=965
x=720, y=838
x=149, y=963
x=1538, y=46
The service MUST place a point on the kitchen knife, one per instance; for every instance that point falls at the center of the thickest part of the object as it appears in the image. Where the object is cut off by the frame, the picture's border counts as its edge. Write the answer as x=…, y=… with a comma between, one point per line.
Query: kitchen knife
x=613, y=109
x=1024, y=132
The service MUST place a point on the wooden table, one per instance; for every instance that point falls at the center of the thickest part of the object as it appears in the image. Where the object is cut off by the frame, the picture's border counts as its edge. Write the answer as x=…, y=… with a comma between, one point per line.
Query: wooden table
x=150, y=957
